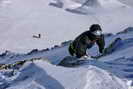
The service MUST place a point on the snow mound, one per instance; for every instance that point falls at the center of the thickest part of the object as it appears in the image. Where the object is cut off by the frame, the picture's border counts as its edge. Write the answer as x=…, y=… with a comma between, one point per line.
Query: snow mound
x=73, y=4
x=127, y=30
x=85, y=7
x=55, y=77
x=100, y=79
x=56, y=3
x=110, y=3
x=4, y=3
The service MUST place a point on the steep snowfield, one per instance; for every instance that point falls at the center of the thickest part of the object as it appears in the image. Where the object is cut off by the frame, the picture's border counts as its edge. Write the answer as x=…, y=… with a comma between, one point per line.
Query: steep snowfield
x=100, y=3
x=21, y=19
x=113, y=71
x=128, y=2
x=24, y=18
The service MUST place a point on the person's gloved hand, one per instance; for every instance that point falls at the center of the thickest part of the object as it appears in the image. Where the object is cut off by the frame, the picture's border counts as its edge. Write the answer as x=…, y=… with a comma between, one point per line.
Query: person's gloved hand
x=86, y=57
x=99, y=54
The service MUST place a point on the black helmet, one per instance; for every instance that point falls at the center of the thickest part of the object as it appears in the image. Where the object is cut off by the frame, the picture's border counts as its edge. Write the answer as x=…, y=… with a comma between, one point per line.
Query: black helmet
x=96, y=29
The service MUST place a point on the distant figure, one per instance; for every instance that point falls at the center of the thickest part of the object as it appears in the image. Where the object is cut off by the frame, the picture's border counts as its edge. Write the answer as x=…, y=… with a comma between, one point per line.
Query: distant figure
x=37, y=36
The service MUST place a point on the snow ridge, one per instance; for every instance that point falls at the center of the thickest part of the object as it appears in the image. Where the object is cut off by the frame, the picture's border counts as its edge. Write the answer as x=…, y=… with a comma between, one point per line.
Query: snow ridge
x=105, y=79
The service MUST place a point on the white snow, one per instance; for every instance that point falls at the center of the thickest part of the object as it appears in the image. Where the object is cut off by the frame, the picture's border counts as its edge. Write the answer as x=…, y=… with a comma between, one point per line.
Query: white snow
x=100, y=79
x=113, y=71
x=21, y=19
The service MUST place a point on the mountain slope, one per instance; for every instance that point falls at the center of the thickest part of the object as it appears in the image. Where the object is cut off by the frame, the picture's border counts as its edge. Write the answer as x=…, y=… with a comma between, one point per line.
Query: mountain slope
x=20, y=20
x=113, y=71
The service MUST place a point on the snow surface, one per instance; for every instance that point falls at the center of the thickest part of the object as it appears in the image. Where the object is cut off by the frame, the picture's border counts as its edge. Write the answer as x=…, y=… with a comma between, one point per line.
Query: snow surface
x=21, y=19
x=113, y=71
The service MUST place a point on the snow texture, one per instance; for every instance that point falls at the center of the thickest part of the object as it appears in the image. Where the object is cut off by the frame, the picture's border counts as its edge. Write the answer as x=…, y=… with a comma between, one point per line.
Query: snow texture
x=60, y=21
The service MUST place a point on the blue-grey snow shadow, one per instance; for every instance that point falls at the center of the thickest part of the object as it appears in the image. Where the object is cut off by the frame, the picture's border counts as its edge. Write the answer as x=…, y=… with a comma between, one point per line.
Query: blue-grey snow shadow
x=33, y=72
x=128, y=70
x=4, y=78
x=77, y=11
x=125, y=44
x=3, y=84
x=129, y=76
x=120, y=69
x=58, y=5
x=119, y=45
x=118, y=66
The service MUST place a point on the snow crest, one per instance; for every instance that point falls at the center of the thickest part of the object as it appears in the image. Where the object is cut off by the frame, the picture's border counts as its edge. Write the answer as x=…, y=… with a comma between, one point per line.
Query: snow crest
x=103, y=80
x=91, y=3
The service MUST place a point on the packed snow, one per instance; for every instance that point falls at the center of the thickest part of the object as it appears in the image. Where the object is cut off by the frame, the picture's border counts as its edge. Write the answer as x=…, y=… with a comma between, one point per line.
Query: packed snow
x=21, y=22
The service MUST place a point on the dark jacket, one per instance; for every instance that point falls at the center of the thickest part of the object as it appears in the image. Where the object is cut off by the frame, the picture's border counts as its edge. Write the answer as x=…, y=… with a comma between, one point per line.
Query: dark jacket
x=85, y=41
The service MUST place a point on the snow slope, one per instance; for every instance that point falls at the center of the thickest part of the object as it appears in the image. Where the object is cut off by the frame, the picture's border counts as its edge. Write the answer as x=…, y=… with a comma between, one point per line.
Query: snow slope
x=21, y=19
x=95, y=3
x=128, y=2
x=51, y=77
x=113, y=71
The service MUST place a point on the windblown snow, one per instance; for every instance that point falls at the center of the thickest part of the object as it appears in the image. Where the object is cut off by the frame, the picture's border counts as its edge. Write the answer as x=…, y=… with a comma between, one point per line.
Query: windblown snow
x=21, y=22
